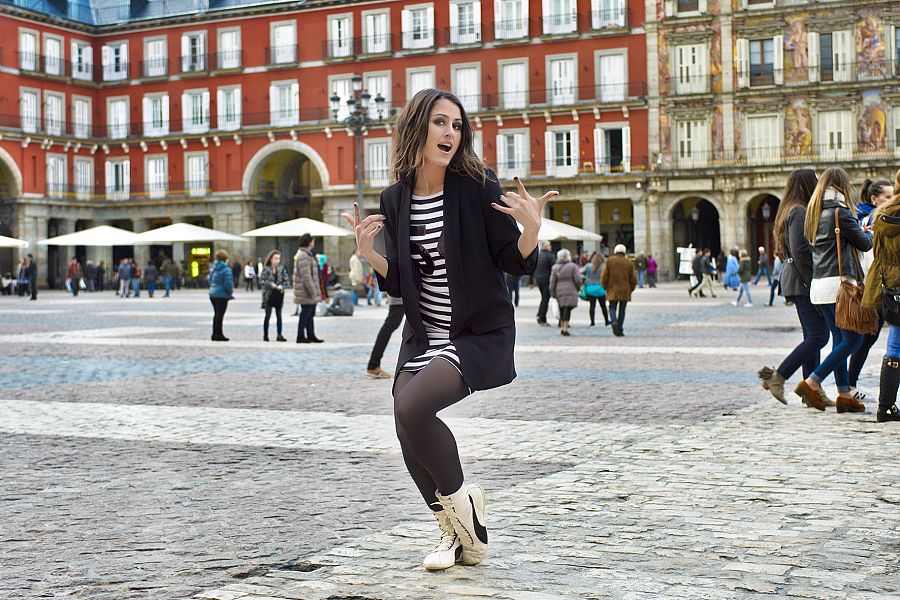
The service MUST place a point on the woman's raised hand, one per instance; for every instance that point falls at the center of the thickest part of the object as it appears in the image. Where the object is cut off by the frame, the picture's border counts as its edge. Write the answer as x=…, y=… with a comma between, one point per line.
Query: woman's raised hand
x=523, y=207
x=364, y=229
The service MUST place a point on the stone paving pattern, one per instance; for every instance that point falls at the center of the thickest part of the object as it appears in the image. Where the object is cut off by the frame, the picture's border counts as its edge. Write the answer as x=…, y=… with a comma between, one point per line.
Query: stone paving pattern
x=140, y=460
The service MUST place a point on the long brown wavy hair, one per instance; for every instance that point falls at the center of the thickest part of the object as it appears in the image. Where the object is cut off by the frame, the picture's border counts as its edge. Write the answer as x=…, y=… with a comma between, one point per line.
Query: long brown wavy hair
x=833, y=177
x=798, y=189
x=891, y=208
x=412, y=132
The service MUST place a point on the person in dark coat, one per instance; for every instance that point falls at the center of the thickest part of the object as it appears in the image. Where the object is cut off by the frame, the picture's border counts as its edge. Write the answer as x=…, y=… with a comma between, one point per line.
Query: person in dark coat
x=221, y=290
x=100, y=277
x=151, y=275
x=460, y=325
x=541, y=278
x=275, y=281
x=619, y=279
x=32, y=276
x=236, y=269
x=90, y=273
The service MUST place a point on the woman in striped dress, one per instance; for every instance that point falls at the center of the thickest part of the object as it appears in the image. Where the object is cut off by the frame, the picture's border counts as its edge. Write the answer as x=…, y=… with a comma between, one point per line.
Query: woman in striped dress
x=450, y=235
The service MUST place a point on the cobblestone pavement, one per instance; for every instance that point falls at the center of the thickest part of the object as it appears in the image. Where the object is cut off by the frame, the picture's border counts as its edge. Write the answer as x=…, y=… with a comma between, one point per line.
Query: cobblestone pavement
x=140, y=460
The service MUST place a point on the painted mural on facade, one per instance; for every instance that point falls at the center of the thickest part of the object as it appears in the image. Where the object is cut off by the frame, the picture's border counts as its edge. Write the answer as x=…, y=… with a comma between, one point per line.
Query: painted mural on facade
x=798, y=134
x=870, y=45
x=665, y=135
x=871, y=123
x=715, y=59
x=796, y=52
x=665, y=86
x=717, y=133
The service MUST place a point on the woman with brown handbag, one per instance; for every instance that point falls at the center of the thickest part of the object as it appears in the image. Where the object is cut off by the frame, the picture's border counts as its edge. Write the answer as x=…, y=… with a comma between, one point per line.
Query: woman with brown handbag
x=836, y=236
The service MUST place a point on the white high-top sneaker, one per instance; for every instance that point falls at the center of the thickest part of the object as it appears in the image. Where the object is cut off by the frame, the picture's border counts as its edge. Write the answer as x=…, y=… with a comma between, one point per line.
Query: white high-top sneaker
x=465, y=507
x=449, y=550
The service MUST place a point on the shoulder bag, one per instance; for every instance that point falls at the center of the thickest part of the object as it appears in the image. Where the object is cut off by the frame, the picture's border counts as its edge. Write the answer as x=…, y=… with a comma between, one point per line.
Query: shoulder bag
x=849, y=311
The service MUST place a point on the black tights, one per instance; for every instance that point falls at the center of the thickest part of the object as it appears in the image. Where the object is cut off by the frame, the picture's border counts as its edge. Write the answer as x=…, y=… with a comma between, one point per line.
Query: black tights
x=429, y=448
x=594, y=300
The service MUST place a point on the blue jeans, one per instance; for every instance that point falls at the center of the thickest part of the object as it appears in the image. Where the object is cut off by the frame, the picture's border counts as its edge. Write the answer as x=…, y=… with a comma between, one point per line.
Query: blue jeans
x=762, y=269
x=858, y=358
x=893, y=343
x=167, y=284
x=744, y=289
x=617, y=312
x=136, y=286
x=269, y=309
x=641, y=275
x=373, y=294
x=844, y=343
x=151, y=287
x=815, y=337
x=306, y=328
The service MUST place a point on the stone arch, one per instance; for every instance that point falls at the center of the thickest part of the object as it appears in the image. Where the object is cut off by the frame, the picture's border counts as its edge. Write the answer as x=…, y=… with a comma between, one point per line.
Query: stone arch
x=695, y=220
x=760, y=211
x=9, y=166
x=268, y=150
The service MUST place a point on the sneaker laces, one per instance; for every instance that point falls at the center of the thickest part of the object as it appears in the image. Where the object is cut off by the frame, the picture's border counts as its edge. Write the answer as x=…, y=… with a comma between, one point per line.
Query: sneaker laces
x=448, y=534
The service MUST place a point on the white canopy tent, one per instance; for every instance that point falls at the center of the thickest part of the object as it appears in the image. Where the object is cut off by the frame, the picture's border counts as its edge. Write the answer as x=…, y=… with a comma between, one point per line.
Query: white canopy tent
x=102, y=235
x=297, y=227
x=185, y=232
x=554, y=230
x=8, y=242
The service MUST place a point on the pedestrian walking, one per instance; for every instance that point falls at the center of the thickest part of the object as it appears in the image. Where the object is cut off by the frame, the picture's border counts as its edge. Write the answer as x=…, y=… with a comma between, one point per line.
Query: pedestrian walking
x=22, y=278
x=512, y=285
x=100, y=277
x=707, y=272
x=640, y=263
x=874, y=194
x=236, y=270
x=135, y=278
x=835, y=234
x=450, y=234
x=777, y=268
x=763, y=266
x=732, y=266
x=249, y=276
x=651, y=270
x=565, y=282
x=124, y=275
x=745, y=274
x=151, y=277
x=307, y=292
x=593, y=289
x=883, y=292
x=541, y=278
x=169, y=270
x=90, y=273
x=32, y=276
x=221, y=290
x=274, y=280
x=391, y=323
x=619, y=278
x=259, y=268
x=697, y=277
x=73, y=276
x=796, y=278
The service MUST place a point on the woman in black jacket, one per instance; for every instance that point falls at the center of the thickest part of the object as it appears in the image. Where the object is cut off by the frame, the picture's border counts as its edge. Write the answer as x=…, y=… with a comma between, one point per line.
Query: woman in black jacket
x=796, y=275
x=450, y=234
x=832, y=206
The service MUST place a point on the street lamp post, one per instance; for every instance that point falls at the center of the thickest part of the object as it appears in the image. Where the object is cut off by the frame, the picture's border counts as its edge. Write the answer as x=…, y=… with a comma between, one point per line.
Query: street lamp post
x=358, y=122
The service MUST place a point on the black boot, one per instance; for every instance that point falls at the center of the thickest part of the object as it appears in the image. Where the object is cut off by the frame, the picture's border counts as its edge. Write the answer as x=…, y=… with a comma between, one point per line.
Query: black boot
x=887, y=394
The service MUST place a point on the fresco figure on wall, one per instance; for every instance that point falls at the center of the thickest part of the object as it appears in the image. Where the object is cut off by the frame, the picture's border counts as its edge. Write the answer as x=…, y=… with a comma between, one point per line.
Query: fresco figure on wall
x=796, y=54
x=871, y=123
x=665, y=136
x=718, y=134
x=715, y=60
x=663, y=54
x=798, y=135
x=870, y=49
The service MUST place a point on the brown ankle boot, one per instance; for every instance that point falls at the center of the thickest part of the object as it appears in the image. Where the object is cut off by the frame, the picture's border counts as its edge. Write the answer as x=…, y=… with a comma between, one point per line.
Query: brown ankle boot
x=809, y=396
x=847, y=403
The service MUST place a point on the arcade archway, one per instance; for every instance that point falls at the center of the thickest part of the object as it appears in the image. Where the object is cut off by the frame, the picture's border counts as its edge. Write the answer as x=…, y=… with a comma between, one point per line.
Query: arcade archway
x=695, y=222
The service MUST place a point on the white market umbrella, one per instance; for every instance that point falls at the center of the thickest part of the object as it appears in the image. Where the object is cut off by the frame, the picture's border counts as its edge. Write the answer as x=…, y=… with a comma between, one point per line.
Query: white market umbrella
x=185, y=232
x=297, y=227
x=554, y=230
x=8, y=242
x=102, y=235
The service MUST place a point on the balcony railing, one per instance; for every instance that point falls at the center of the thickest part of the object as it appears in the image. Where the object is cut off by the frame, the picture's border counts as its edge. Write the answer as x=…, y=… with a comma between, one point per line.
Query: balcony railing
x=611, y=18
x=422, y=39
x=780, y=156
x=847, y=73
x=512, y=29
x=155, y=67
x=358, y=46
x=560, y=24
x=686, y=85
x=285, y=55
x=195, y=63
x=587, y=167
x=229, y=59
x=134, y=191
x=461, y=36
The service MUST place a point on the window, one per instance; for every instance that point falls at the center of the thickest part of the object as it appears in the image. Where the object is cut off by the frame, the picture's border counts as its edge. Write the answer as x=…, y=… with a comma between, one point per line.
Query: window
x=465, y=22
x=762, y=139
x=830, y=55
x=762, y=67
x=684, y=7
x=115, y=61
x=691, y=74
x=229, y=48
x=117, y=118
x=375, y=33
x=156, y=115
x=82, y=61
x=612, y=77
x=54, y=113
x=478, y=144
x=28, y=51
x=896, y=115
x=83, y=169
x=193, y=52
x=513, y=84
x=691, y=143
x=81, y=117
x=53, y=55
x=760, y=62
x=418, y=27
x=512, y=153
x=155, y=176
x=228, y=103
x=467, y=86
x=378, y=162
x=31, y=116
x=510, y=19
x=559, y=16
x=342, y=87
x=607, y=13
x=561, y=149
x=562, y=73
x=379, y=83
x=56, y=175
x=836, y=134
x=419, y=79
x=612, y=149
x=284, y=102
x=284, y=43
x=118, y=179
x=197, y=169
x=155, y=61
x=195, y=111
x=340, y=36
x=894, y=49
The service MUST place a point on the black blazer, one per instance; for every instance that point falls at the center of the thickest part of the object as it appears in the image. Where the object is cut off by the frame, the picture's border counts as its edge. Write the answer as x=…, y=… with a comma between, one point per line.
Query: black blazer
x=480, y=244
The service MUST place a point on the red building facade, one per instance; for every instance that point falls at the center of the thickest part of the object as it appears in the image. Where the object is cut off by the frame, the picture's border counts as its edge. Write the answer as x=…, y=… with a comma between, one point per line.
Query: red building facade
x=222, y=118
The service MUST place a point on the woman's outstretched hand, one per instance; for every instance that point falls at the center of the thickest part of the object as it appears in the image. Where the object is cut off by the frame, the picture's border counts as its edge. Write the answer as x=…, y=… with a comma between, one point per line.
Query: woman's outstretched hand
x=523, y=207
x=365, y=230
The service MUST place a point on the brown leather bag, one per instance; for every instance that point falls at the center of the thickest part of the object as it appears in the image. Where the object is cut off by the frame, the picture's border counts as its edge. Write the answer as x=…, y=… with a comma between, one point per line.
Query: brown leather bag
x=849, y=311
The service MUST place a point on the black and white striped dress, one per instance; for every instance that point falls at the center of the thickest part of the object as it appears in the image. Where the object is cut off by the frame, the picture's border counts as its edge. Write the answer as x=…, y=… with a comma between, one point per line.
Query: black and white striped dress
x=426, y=223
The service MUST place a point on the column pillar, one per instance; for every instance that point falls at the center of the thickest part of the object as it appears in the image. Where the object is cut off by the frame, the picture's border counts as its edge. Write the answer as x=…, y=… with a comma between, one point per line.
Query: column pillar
x=641, y=224
x=141, y=252
x=590, y=220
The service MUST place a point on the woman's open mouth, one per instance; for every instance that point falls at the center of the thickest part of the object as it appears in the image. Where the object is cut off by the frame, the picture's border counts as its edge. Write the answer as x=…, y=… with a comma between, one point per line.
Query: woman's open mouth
x=445, y=147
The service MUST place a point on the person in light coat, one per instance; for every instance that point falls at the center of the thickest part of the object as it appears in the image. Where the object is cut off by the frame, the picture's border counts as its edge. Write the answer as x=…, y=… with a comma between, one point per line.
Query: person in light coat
x=565, y=281
x=306, y=289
